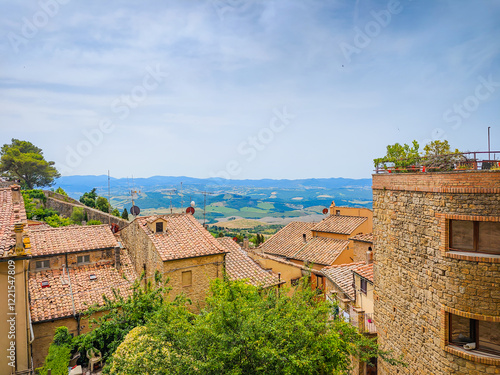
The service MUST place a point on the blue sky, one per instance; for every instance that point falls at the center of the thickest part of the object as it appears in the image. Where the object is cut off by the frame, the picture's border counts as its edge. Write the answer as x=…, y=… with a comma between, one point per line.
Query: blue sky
x=246, y=89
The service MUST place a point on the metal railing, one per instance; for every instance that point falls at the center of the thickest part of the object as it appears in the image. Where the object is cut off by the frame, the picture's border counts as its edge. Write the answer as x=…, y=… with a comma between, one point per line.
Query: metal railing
x=476, y=160
x=365, y=322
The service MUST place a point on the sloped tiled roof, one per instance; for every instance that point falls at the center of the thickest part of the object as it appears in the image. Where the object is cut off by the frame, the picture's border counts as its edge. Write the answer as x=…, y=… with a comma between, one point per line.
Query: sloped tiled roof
x=339, y=224
x=183, y=237
x=362, y=237
x=10, y=213
x=56, y=301
x=341, y=275
x=365, y=271
x=321, y=250
x=73, y=238
x=240, y=266
x=289, y=240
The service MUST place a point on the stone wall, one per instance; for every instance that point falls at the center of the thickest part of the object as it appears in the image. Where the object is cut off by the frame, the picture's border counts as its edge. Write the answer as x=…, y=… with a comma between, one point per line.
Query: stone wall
x=418, y=282
x=64, y=205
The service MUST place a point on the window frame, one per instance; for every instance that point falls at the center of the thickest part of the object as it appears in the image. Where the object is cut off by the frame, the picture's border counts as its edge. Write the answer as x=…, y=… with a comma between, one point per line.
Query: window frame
x=43, y=267
x=83, y=261
x=475, y=335
x=475, y=238
x=158, y=225
x=191, y=278
x=364, y=289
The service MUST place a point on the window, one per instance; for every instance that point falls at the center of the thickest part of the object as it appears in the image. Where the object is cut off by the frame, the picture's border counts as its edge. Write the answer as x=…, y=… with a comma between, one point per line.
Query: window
x=41, y=264
x=159, y=227
x=80, y=259
x=485, y=336
x=364, y=286
x=319, y=282
x=295, y=282
x=337, y=212
x=187, y=278
x=475, y=236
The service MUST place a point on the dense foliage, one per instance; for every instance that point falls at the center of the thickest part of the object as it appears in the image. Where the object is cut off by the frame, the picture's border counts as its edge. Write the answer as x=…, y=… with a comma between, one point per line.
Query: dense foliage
x=125, y=214
x=241, y=330
x=23, y=161
x=59, y=353
x=437, y=156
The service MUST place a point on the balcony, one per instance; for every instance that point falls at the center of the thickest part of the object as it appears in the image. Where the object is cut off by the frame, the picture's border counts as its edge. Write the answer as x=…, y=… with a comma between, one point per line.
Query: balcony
x=365, y=322
x=465, y=161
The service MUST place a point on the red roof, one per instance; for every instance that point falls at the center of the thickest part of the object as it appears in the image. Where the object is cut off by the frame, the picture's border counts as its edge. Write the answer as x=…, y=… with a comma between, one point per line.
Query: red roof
x=10, y=213
x=365, y=271
x=183, y=237
x=339, y=224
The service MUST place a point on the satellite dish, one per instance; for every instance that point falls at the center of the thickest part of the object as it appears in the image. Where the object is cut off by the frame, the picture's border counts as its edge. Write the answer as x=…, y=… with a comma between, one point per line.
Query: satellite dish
x=235, y=239
x=325, y=211
x=115, y=228
x=190, y=210
x=134, y=210
x=193, y=204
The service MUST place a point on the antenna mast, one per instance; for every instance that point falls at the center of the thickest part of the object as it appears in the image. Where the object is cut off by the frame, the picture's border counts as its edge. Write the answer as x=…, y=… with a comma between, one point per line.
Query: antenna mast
x=109, y=200
x=205, y=205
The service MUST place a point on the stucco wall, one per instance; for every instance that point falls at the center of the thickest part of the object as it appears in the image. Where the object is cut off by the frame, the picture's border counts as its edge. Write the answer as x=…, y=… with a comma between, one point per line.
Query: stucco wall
x=418, y=280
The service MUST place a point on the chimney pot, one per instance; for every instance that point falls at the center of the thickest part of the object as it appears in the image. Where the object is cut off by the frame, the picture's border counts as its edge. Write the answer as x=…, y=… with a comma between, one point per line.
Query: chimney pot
x=245, y=243
x=369, y=256
x=16, y=194
x=304, y=237
x=118, y=263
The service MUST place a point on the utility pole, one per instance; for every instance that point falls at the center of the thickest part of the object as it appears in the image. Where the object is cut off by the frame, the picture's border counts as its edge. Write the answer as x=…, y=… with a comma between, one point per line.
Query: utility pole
x=489, y=145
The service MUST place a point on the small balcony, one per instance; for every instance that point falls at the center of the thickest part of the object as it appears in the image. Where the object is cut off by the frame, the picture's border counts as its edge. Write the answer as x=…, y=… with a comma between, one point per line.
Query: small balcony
x=465, y=161
x=365, y=322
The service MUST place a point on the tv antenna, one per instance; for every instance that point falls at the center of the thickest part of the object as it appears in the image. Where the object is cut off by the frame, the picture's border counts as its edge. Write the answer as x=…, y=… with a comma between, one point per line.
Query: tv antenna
x=109, y=200
x=205, y=193
x=171, y=192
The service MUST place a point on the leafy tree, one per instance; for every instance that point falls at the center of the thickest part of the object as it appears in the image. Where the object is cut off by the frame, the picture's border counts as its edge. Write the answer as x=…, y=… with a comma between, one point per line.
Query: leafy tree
x=102, y=204
x=88, y=199
x=77, y=215
x=58, y=221
x=400, y=155
x=245, y=330
x=125, y=214
x=115, y=212
x=59, y=353
x=438, y=148
x=61, y=191
x=24, y=161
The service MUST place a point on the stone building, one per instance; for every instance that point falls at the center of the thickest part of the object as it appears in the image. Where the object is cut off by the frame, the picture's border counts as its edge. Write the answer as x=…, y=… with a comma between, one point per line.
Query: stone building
x=361, y=244
x=178, y=247
x=437, y=271
x=70, y=269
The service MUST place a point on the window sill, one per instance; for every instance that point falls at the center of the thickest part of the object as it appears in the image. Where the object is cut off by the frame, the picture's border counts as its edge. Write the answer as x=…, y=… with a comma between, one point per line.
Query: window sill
x=474, y=355
x=473, y=256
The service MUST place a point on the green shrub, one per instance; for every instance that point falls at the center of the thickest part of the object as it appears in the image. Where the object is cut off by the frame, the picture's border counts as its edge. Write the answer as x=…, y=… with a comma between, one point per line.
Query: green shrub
x=77, y=215
x=59, y=354
x=94, y=222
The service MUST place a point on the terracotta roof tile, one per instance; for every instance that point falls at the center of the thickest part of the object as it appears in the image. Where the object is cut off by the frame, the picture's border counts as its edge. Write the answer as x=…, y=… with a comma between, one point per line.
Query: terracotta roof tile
x=56, y=300
x=339, y=224
x=321, y=250
x=70, y=239
x=341, y=275
x=289, y=240
x=183, y=237
x=287, y=262
x=240, y=266
x=365, y=271
x=362, y=237
x=10, y=213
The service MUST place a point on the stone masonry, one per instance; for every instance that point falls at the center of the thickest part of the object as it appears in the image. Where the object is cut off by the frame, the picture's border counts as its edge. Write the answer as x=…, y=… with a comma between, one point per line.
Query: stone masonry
x=419, y=282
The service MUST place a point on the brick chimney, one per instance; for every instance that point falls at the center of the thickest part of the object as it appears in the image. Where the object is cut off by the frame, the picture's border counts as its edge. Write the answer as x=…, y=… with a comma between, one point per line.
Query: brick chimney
x=304, y=238
x=369, y=256
x=18, y=231
x=245, y=243
x=16, y=194
x=118, y=263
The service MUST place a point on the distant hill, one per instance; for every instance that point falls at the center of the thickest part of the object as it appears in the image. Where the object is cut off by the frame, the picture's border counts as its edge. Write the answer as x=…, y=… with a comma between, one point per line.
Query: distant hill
x=248, y=199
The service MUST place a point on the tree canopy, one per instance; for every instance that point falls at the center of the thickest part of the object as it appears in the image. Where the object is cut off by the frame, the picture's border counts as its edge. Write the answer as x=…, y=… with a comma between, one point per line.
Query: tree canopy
x=241, y=329
x=24, y=161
